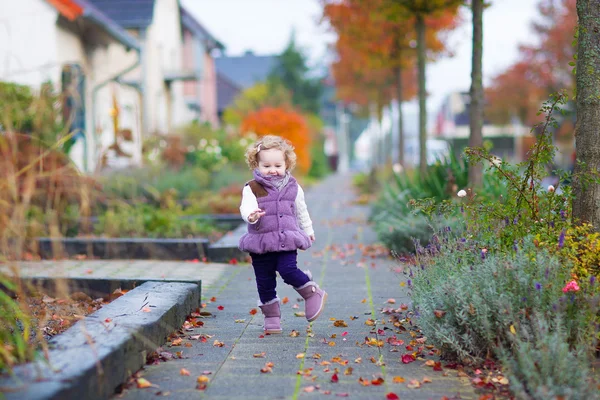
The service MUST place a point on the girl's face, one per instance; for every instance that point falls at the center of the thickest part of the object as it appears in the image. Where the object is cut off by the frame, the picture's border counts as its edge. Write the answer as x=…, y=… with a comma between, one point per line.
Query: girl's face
x=271, y=162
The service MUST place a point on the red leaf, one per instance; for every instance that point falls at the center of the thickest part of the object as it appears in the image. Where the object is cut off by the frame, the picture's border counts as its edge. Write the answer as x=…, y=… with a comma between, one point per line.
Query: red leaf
x=220, y=308
x=408, y=358
x=334, y=378
x=233, y=261
x=392, y=396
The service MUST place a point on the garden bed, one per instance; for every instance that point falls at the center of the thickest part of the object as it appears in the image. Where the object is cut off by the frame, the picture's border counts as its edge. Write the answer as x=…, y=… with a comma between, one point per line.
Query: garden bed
x=93, y=357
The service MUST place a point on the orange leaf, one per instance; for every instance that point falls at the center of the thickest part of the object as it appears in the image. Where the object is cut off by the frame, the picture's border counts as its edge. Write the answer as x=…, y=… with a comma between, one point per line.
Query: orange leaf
x=285, y=300
x=143, y=383
x=253, y=311
x=398, y=379
x=184, y=372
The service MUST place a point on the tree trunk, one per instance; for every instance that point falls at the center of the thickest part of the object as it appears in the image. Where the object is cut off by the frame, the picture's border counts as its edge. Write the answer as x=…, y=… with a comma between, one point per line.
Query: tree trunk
x=586, y=203
x=399, y=89
x=476, y=109
x=420, y=25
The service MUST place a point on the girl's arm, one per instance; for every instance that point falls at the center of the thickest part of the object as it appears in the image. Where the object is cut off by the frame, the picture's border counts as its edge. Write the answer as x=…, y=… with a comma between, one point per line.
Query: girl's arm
x=302, y=214
x=249, y=204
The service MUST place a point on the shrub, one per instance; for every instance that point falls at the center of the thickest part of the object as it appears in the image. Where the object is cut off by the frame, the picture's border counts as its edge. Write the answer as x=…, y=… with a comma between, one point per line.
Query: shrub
x=469, y=303
x=541, y=363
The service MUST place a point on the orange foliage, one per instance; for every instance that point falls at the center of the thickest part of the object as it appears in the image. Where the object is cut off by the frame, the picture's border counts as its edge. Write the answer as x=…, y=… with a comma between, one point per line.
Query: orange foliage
x=541, y=69
x=285, y=123
x=375, y=38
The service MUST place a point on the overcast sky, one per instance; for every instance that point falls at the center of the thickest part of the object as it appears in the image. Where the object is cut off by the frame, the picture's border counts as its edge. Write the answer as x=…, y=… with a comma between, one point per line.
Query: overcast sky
x=264, y=26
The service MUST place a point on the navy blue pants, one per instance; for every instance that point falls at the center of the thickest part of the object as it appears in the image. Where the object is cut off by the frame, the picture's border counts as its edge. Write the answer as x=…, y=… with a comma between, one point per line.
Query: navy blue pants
x=267, y=265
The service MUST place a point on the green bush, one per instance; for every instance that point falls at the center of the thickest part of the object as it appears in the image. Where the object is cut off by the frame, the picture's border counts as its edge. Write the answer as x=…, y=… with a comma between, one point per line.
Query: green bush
x=541, y=364
x=147, y=221
x=483, y=299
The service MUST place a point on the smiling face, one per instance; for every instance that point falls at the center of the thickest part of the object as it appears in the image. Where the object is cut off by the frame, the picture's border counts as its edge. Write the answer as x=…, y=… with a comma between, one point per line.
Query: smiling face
x=271, y=162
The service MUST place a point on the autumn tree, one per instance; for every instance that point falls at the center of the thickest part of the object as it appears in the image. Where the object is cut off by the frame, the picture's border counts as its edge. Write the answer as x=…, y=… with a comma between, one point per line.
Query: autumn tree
x=285, y=123
x=587, y=194
x=422, y=10
x=540, y=70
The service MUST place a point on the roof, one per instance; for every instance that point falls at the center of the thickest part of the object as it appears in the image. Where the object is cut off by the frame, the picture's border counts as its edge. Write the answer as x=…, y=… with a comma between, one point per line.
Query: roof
x=226, y=92
x=191, y=23
x=246, y=70
x=127, y=13
x=73, y=9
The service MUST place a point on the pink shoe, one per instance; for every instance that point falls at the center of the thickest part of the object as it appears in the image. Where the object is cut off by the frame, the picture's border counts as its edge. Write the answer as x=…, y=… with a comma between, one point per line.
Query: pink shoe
x=272, y=314
x=314, y=299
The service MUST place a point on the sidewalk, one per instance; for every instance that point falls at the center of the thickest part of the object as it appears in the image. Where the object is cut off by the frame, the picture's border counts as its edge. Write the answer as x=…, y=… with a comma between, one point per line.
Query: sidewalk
x=358, y=289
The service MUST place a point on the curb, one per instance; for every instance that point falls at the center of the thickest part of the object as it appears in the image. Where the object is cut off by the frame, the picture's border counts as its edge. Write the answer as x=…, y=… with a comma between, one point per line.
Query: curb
x=124, y=248
x=97, y=354
x=226, y=248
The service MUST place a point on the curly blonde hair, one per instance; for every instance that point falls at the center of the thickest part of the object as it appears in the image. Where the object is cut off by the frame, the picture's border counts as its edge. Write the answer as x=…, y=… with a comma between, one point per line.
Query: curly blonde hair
x=271, y=142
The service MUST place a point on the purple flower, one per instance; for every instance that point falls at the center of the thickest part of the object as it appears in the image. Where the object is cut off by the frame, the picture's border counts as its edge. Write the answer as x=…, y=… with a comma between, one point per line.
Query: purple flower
x=538, y=286
x=563, y=215
x=463, y=240
x=462, y=209
x=561, y=239
x=592, y=280
x=448, y=229
x=506, y=221
x=409, y=282
x=523, y=299
x=515, y=247
x=515, y=220
x=551, y=224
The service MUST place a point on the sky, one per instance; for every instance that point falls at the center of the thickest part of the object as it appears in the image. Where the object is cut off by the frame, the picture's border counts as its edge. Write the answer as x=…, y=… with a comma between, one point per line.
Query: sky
x=265, y=26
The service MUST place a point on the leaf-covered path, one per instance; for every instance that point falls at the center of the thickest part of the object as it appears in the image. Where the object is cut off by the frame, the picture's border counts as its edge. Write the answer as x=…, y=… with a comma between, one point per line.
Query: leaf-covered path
x=353, y=350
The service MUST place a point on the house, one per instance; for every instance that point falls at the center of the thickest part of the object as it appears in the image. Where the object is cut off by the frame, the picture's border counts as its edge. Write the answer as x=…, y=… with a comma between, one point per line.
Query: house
x=237, y=73
x=198, y=47
x=83, y=53
x=452, y=124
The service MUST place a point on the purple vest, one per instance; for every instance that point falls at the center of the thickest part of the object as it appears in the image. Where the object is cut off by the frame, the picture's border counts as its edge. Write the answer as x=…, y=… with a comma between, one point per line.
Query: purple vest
x=278, y=229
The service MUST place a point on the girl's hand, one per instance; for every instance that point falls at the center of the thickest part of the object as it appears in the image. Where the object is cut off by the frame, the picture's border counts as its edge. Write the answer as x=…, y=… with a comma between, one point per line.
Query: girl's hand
x=312, y=237
x=255, y=215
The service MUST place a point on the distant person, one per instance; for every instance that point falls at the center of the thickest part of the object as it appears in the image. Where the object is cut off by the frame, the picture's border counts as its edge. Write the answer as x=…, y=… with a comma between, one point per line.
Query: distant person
x=278, y=225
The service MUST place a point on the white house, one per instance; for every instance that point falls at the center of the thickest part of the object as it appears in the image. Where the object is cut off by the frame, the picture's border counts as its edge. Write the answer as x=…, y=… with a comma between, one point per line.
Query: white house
x=83, y=53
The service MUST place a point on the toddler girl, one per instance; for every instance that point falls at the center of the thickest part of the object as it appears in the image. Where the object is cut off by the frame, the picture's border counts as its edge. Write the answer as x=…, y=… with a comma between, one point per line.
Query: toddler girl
x=278, y=225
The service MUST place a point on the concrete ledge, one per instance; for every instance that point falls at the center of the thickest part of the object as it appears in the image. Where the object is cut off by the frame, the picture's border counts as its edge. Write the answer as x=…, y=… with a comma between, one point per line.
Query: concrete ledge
x=97, y=354
x=124, y=248
x=226, y=248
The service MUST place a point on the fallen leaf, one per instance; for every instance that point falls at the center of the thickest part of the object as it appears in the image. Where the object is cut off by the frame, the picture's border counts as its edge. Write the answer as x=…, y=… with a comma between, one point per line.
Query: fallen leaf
x=392, y=396
x=377, y=382
x=259, y=355
x=363, y=301
x=331, y=344
x=414, y=384
x=439, y=313
x=300, y=355
x=187, y=344
x=216, y=343
x=391, y=301
x=342, y=394
x=358, y=360
x=364, y=382
x=300, y=314
x=334, y=378
x=344, y=334
x=294, y=333
x=253, y=311
x=316, y=356
x=398, y=379
x=370, y=322
x=239, y=321
x=213, y=299
x=184, y=372
x=426, y=380
x=203, y=379
x=295, y=306
x=408, y=358
x=309, y=389
x=177, y=342
x=348, y=371
x=340, y=323
x=513, y=330
x=143, y=383
x=430, y=363
x=146, y=309
x=107, y=320
x=220, y=308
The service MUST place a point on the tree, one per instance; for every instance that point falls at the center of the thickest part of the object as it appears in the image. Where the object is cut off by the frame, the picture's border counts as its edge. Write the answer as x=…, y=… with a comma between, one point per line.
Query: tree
x=291, y=71
x=476, y=108
x=263, y=94
x=285, y=123
x=540, y=70
x=587, y=194
x=423, y=10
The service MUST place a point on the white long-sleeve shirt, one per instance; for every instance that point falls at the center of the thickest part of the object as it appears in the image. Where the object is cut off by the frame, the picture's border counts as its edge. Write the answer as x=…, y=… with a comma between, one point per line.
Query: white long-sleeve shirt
x=250, y=204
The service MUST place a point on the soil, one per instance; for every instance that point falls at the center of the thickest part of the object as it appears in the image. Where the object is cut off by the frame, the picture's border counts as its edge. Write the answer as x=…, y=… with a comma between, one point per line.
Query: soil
x=51, y=316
